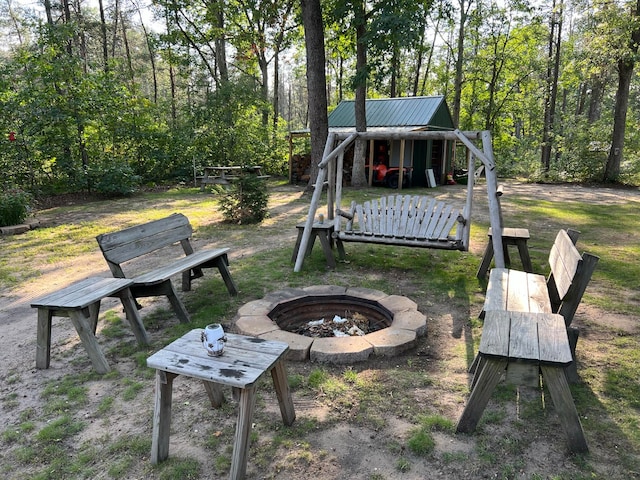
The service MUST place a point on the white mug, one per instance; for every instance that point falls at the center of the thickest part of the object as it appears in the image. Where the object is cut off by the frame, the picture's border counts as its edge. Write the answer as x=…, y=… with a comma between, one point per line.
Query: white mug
x=213, y=339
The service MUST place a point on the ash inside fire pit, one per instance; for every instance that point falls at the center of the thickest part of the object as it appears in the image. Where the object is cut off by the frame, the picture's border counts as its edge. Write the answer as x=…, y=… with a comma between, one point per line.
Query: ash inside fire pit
x=335, y=316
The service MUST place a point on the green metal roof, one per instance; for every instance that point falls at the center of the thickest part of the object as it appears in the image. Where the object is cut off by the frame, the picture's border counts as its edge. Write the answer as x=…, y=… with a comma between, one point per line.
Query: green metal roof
x=408, y=112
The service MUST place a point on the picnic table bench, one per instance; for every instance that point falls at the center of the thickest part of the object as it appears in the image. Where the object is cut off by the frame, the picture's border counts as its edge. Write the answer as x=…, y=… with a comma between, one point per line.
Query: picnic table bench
x=536, y=340
x=527, y=333
x=570, y=273
x=134, y=242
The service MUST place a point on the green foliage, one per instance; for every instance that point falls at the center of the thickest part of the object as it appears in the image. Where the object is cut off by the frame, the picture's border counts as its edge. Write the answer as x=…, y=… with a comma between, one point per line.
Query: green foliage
x=114, y=179
x=246, y=201
x=15, y=205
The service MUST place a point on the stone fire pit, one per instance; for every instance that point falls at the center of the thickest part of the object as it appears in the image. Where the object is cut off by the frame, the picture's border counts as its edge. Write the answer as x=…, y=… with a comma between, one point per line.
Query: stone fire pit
x=395, y=318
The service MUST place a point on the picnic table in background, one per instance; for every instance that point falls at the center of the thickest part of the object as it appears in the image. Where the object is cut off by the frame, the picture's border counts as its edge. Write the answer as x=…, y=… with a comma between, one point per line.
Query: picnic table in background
x=219, y=175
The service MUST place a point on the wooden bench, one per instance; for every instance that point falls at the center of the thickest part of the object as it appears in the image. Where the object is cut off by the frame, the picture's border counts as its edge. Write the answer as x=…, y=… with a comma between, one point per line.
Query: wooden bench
x=134, y=242
x=404, y=220
x=81, y=302
x=511, y=340
x=561, y=293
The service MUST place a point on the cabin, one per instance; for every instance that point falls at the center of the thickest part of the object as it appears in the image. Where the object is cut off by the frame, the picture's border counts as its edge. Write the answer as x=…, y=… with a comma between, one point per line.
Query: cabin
x=392, y=117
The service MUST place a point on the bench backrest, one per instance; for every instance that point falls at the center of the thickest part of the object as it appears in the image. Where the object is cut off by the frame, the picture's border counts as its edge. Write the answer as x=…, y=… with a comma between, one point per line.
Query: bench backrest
x=124, y=245
x=570, y=274
x=403, y=216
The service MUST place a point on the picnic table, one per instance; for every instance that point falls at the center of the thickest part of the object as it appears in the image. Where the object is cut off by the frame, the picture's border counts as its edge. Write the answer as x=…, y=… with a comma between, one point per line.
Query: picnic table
x=220, y=175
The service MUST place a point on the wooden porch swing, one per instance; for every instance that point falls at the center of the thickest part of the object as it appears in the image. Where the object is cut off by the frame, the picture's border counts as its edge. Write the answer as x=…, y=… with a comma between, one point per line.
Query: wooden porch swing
x=403, y=220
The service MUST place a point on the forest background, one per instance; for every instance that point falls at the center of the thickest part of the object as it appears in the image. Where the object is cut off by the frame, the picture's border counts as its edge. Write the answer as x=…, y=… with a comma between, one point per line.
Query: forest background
x=109, y=95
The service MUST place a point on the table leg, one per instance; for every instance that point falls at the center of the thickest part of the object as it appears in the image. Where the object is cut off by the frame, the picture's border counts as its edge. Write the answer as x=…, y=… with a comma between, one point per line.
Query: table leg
x=489, y=376
x=281, y=384
x=556, y=380
x=43, y=338
x=84, y=326
x=162, y=416
x=246, y=404
x=215, y=394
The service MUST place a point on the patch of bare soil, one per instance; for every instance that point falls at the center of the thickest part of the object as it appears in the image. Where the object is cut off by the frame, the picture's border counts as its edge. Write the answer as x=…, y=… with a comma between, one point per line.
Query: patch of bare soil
x=335, y=436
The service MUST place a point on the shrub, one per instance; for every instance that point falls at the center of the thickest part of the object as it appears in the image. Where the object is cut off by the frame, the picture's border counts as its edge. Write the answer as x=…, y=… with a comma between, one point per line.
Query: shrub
x=114, y=180
x=15, y=205
x=246, y=201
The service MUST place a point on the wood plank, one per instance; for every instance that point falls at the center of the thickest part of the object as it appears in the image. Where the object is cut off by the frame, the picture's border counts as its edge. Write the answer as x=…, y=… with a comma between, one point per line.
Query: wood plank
x=495, y=334
x=83, y=293
x=426, y=207
x=537, y=294
x=517, y=291
x=553, y=340
x=180, y=265
x=496, y=297
x=523, y=340
x=564, y=261
x=132, y=242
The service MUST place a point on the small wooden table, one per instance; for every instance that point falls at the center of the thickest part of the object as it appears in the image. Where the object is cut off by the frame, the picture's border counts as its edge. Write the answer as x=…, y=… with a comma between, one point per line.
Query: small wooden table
x=244, y=361
x=513, y=339
x=81, y=302
x=322, y=231
x=510, y=236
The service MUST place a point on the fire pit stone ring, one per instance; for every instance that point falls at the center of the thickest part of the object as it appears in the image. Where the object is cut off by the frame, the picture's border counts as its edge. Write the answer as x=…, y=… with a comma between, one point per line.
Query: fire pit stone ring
x=397, y=317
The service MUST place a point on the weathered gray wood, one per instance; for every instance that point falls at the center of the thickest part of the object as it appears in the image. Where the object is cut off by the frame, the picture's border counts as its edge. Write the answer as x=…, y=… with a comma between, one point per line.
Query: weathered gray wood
x=43, y=338
x=244, y=361
x=522, y=343
x=246, y=405
x=403, y=220
x=488, y=378
x=563, y=401
x=80, y=301
x=162, y=416
x=283, y=393
x=133, y=242
x=85, y=332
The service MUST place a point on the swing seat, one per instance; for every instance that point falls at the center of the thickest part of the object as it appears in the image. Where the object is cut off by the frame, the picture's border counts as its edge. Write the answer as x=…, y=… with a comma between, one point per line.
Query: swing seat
x=403, y=220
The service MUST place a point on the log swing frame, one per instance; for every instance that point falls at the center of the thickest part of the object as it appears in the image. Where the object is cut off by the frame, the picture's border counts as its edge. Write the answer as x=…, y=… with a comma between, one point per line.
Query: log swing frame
x=331, y=167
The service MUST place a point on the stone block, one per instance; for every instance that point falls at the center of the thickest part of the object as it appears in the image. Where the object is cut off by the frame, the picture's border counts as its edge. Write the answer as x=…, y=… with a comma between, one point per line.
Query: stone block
x=255, y=325
x=391, y=341
x=411, y=320
x=340, y=350
x=299, y=345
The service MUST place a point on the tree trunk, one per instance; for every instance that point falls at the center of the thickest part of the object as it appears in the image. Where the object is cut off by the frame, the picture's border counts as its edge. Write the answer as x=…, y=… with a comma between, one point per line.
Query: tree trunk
x=103, y=33
x=457, y=84
x=221, y=48
x=316, y=82
x=553, y=70
x=625, y=74
x=358, y=177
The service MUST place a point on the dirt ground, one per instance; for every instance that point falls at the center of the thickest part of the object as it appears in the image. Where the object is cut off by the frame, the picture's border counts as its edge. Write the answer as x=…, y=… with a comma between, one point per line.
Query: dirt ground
x=340, y=449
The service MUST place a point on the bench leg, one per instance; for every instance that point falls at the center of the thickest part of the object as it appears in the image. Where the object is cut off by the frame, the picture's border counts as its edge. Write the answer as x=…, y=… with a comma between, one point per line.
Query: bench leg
x=486, y=261
x=43, y=340
x=84, y=327
x=162, y=416
x=294, y=256
x=279, y=376
x=326, y=248
x=524, y=256
x=246, y=404
x=342, y=255
x=176, y=303
x=563, y=401
x=489, y=376
x=222, y=263
x=131, y=312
